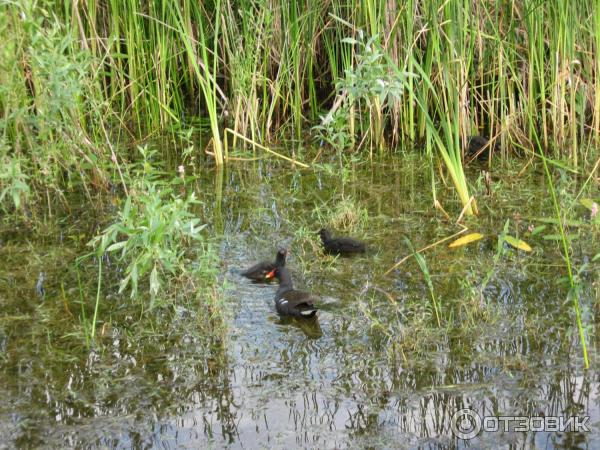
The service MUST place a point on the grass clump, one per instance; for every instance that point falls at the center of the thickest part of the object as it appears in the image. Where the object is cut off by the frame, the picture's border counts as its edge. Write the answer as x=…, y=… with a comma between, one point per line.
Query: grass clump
x=346, y=215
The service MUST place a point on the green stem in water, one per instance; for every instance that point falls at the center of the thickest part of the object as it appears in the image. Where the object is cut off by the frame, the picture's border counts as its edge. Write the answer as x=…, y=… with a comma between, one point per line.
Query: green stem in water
x=572, y=287
x=97, y=297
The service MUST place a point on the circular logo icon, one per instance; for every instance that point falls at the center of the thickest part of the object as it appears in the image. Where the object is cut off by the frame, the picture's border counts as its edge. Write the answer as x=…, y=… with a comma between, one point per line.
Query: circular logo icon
x=465, y=424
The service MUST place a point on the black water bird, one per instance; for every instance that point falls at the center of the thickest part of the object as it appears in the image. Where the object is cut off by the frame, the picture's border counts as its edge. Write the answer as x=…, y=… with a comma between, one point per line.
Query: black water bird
x=261, y=270
x=341, y=245
x=479, y=147
x=289, y=301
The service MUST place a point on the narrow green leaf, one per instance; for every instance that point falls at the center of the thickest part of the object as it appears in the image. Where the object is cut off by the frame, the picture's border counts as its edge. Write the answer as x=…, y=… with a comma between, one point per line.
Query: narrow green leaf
x=538, y=229
x=116, y=246
x=558, y=237
x=154, y=282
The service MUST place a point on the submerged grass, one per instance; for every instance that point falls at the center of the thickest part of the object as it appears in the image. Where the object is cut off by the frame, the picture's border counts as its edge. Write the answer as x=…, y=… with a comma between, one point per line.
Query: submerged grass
x=425, y=270
x=345, y=214
x=573, y=287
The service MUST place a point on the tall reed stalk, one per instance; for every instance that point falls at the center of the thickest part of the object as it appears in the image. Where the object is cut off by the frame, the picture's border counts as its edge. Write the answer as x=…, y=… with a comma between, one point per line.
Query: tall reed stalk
x=573, y=288
x=204, y=68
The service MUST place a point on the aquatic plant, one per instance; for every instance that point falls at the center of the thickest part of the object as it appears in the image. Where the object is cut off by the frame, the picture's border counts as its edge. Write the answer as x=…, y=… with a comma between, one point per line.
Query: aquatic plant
x=341, y=214
x=153, y=230
x=50, y=107
x=334, y=129
x=14, y=184
x=374, y=81
x=151, y=233
x=73, y=71
x=426, y=275
x=574, y=288
x=278, y=78
x=160, y=247
x=204, y=68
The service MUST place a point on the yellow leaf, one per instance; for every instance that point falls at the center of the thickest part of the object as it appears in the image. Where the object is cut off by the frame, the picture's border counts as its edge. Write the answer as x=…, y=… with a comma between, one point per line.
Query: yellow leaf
x=471, y=237
x=517, y=243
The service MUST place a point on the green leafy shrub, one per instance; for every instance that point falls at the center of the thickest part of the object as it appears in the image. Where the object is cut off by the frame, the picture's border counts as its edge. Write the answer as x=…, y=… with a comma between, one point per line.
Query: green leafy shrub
x=14, y=184
x=335, y=129
x=152, y=233
x=374, y=78
x=50, y=105
x=367, y=91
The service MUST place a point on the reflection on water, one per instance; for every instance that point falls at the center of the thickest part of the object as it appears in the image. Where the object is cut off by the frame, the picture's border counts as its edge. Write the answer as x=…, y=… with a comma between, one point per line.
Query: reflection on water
x=327, y=383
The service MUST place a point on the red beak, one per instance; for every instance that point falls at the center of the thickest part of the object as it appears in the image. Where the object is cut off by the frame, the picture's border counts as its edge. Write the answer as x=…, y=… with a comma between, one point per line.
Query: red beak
x=271, y=274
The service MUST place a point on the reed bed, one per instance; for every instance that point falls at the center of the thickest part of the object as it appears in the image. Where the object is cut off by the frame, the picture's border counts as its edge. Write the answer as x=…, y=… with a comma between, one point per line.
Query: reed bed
x=364, y=74
x=423, y=73
x=270, y=68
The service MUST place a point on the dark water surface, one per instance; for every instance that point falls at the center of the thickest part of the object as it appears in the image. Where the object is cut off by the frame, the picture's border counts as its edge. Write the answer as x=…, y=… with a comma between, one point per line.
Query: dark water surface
x=375, y=370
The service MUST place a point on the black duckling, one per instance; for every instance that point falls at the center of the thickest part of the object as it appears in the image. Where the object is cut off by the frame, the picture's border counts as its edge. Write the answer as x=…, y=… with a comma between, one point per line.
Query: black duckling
x=479, y=147
x=289, y=301
x=341, y=245
x=260, y=271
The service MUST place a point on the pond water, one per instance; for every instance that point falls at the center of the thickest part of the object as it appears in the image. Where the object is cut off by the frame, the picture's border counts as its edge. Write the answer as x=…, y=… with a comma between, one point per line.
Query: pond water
x=375, y=370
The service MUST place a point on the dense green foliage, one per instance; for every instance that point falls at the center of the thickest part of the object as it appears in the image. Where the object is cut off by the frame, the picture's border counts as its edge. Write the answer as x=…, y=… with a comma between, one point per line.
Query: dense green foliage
x=372, y=74
x=523, y=71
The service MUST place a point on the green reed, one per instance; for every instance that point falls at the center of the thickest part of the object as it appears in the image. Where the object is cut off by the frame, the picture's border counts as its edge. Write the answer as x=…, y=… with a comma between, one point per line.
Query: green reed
x=281, y=61
x=574, y=288
x=204, y=68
